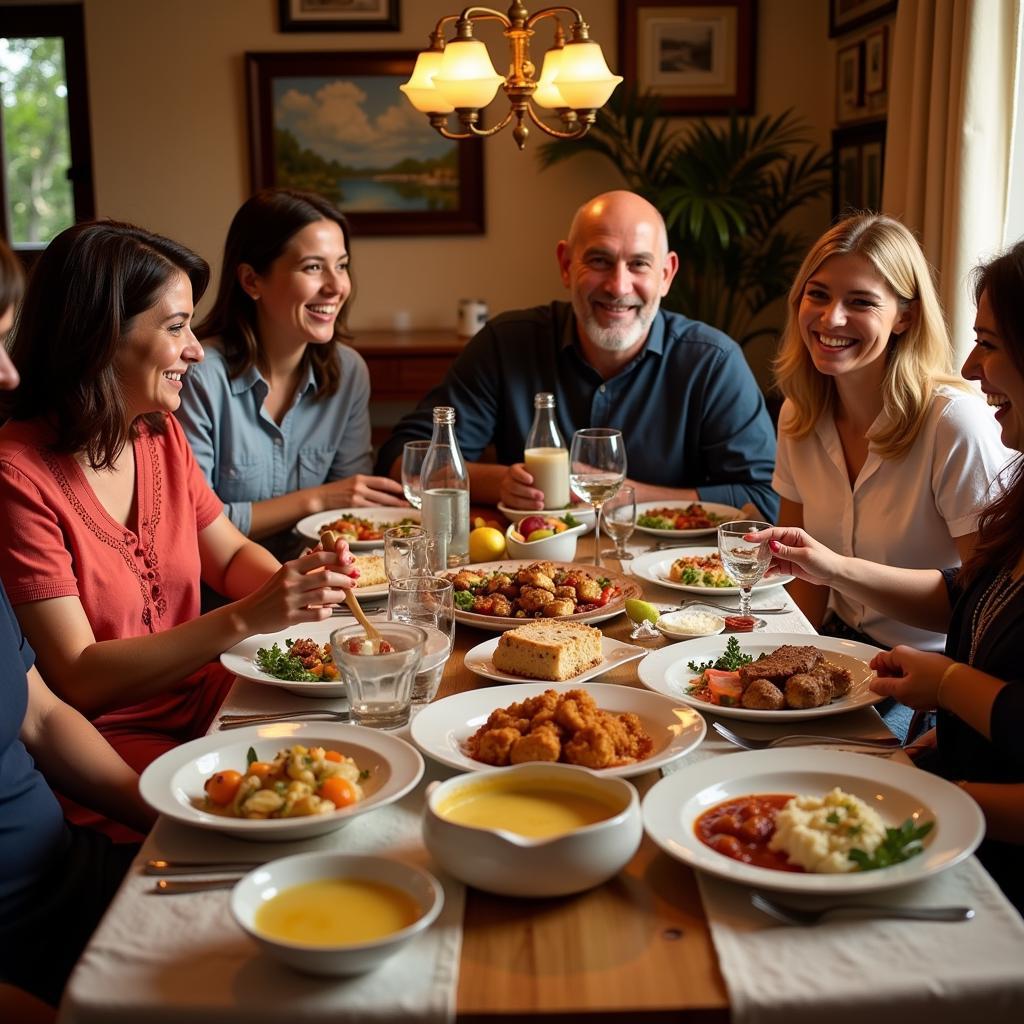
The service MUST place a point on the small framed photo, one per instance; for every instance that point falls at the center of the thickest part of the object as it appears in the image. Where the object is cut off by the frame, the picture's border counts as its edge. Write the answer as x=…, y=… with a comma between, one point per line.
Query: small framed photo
x=871, y=175
x=858, y=161
x=876, y=60
x=339, y=15
x=844, y=15
x=850, y=82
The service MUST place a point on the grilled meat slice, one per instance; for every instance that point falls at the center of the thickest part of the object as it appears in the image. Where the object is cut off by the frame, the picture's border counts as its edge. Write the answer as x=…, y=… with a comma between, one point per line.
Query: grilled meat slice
x=778, y=666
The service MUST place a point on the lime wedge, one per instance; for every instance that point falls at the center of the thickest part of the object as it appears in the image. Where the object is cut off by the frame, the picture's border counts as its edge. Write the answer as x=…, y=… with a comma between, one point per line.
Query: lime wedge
x=639, y=611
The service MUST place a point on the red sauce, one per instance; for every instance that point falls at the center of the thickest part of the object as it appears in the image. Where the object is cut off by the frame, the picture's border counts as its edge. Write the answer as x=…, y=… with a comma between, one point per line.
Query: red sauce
x=742, y=829
x=740, y=623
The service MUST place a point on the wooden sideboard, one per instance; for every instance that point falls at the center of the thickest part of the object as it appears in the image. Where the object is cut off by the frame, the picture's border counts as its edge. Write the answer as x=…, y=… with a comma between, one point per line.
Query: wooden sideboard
x=405, y=365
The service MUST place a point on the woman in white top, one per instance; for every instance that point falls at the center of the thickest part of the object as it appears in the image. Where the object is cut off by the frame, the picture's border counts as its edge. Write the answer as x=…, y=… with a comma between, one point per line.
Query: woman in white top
x=883, y=452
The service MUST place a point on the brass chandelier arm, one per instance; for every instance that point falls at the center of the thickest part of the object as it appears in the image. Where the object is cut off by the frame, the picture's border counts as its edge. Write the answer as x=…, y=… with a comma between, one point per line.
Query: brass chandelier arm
x=550, y=12
x=482, y=14
x=581, y=129
x=483, y=133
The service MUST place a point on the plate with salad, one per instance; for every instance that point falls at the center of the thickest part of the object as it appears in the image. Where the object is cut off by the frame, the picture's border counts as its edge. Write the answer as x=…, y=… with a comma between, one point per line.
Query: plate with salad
x=363, y=528
x=297, y=659
x=682, y=522
x=694, y=571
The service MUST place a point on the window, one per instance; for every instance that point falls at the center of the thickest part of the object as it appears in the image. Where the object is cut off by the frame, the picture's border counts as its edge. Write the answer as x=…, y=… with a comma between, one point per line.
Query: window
x=46, y=184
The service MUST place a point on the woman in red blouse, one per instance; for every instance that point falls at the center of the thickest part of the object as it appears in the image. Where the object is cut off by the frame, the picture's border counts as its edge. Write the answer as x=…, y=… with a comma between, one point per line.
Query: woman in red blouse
x=108, y=524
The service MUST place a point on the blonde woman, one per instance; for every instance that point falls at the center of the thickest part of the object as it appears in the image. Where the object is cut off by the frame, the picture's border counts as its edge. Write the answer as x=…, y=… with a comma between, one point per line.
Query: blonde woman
x=884, y=453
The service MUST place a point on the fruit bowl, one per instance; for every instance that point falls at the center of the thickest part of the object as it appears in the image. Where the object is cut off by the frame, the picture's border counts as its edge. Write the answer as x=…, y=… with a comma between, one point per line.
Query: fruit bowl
x=555, y=547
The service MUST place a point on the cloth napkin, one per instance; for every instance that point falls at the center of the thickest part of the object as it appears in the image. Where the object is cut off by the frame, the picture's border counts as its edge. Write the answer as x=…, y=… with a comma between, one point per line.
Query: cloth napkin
x=204, y=968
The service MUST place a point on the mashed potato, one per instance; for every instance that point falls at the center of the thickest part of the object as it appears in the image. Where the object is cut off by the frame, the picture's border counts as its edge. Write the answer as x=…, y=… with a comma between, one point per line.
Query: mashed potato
x=818, y=832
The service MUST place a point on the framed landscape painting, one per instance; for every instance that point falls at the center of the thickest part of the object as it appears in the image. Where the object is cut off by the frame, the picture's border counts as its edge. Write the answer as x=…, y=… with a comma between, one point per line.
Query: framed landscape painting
x=336, y=124
x=339, y=15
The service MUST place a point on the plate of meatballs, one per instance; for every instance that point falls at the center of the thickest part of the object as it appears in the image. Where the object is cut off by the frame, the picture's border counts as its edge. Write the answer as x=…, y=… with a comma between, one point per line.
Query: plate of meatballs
x=499, y=595
x=790, y=676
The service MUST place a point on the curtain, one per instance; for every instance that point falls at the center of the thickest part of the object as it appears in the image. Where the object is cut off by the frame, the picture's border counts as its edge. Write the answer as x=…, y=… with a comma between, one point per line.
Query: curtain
x=949, y=139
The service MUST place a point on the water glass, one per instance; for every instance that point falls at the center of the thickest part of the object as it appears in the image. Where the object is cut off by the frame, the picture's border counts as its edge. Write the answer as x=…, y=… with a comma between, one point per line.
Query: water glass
x=744, y=561
x=406, y=552
x=413, y=455
x=428, y=602
x=619, y=517
x=597, y=469
x=380, y=685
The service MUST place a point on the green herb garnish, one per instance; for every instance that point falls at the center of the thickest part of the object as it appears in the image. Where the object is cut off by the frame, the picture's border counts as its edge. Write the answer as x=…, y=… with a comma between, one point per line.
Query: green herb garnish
x=730, y=661
x=250, y=756
x=464, y=600
x=570, y=520
x=282, y=665
x=900, y=844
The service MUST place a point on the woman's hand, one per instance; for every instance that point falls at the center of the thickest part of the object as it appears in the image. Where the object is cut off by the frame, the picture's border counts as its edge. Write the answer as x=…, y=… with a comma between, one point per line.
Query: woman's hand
x=913, y=677
x=360, y=491
x=517, y=490
x=796, y=553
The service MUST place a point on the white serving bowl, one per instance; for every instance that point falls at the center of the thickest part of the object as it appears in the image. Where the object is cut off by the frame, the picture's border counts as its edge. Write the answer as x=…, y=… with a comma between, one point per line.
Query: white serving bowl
x=509, y=864
x=559, y=547
x=584, y=513
x=267, y=881
x=684, y=625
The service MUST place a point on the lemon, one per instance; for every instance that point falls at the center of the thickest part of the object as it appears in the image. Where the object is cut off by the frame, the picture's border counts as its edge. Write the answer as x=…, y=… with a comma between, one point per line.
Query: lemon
x=540, y=535
x=486, y=544
x=638, y=610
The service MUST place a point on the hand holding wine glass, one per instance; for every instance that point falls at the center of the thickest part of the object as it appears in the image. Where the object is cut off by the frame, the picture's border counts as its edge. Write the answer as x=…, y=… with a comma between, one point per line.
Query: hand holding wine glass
x=745, y=561
x=597, y=467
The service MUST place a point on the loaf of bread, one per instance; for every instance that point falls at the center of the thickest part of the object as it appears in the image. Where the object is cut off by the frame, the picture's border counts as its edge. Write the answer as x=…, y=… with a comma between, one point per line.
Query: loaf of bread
x=548, y=649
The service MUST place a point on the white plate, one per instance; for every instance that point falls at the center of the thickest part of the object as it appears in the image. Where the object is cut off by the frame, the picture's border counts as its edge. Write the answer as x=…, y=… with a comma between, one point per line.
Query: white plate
x=479, y=660
x=644, y=507
x=499, y=623
x=666, y=671
x=896, y=791
x=441, y=729
x=386, y=516
x=654, y=567
x=666, y=622
x=173, y=783
x=584, y=513
x=241, y=659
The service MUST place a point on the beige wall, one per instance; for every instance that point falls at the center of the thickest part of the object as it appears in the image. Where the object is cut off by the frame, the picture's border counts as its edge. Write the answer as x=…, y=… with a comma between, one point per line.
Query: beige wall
x=170, y=146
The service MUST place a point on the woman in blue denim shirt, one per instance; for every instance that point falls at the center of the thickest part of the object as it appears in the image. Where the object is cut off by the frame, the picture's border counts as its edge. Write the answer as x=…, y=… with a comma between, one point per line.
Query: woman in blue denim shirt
x=277, y=414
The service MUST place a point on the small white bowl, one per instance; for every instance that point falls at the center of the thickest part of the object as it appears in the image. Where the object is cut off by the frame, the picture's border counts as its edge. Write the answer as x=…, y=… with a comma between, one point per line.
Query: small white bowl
x=267, y=881
x=510, y=864
x=584, y=513
x=559, y=547
x=684, y=625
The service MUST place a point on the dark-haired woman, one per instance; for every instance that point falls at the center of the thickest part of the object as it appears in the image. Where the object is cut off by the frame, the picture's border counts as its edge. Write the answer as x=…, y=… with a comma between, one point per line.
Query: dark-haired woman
x=278, y=414
x=977, y=686
x=107, y=522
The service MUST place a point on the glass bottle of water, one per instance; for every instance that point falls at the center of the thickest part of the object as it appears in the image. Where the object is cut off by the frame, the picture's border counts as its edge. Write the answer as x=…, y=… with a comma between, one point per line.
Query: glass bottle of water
x=444, y=485
x=545, y=454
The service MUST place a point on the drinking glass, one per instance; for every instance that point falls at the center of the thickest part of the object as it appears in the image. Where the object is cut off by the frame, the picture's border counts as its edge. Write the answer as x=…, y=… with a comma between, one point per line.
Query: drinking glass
x=380, y=685
x=406, y=552
x=620, y=520
x=597, y=467
x=427, y=602
x=743, y=560
x=413, y=455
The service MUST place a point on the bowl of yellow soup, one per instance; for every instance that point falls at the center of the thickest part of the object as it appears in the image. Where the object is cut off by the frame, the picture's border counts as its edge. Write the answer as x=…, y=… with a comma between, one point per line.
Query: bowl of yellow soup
x=534, y=829
x=335, y=913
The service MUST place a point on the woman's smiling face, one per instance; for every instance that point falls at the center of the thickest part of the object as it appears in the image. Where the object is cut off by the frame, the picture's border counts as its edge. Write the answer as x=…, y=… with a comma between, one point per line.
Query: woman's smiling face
x=847, y=315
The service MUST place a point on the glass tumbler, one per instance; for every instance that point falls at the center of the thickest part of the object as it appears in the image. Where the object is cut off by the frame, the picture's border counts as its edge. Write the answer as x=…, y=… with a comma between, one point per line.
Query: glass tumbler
x=406, y=552
x=428, y=602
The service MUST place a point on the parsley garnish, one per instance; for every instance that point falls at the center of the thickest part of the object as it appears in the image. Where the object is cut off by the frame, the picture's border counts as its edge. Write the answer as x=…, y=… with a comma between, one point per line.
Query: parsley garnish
x=250, y=756
x=731, y=660
x=900, y=844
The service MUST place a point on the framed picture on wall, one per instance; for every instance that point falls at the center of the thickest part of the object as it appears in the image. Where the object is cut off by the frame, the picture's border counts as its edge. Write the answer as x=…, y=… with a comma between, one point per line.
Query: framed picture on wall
x=875, y=60
x=339, y=15
x=336, y=124
x=849, y=82
x=844, y=15
x=698, y=58
x=858, y=160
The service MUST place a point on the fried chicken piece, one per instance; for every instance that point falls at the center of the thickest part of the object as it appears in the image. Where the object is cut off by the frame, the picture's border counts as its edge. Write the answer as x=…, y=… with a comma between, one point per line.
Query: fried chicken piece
x=841, y=678
x=576, y=710
x=808, y=690
x=493, y=746
x=632, y=742
x=531, y=577
x=762, y=695
x=466, y=580
x=492, y=604
x=588, y=590
x=565, y=594
x=591, y=747
x=555, y=608
x=542, y=744
x=533, y=599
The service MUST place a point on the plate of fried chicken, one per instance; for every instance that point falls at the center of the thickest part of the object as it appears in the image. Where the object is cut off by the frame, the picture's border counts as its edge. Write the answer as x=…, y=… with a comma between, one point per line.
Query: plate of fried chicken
x=617, y=730
x=769, y=676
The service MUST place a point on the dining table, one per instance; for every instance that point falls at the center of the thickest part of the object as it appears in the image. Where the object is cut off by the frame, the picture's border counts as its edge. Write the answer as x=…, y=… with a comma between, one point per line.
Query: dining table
x=658, y=942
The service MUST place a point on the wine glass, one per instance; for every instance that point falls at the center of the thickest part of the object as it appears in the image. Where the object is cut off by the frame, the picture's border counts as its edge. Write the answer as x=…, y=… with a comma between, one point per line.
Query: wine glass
x=413, y=454
x=744, y=560
x=597, y=467
x=620, y=519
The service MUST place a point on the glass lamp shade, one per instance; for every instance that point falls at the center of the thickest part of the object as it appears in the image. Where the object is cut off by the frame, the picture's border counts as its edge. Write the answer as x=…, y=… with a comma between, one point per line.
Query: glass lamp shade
x=420, y=89
x=583, y=78
x=467, y=78
x=547, y=93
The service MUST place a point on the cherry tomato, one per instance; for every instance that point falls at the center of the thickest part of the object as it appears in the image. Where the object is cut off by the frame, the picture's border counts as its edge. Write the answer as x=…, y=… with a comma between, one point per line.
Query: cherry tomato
x=222, y=787
x=333, y=755
x=261, y=769
x=339, y=791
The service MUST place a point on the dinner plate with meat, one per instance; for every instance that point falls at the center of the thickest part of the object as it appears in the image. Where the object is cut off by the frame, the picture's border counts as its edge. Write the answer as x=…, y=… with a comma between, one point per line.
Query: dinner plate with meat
x=775, y=677
x=363, y=528
x=682, y=521
x=499, y=595
x=617, y=730
x=694, y=570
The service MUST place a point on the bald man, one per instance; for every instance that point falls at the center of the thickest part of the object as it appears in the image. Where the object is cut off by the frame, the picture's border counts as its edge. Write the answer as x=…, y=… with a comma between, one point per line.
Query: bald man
x=692, y=415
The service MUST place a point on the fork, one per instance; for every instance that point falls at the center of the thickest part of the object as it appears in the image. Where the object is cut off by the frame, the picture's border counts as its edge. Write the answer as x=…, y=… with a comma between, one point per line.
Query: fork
x=237, y=721
x=797, y=915
x=750, y=743
x=754, y=610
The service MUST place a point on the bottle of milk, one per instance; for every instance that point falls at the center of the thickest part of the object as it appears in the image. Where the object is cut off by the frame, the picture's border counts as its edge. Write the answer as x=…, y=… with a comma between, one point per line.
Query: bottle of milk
x=545, y=455
x=445, y=487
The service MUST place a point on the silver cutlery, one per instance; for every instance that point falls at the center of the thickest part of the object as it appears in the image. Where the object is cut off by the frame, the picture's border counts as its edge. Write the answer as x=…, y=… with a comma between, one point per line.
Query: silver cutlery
x=775, y=610
x=750, y=743
x=196, y=867
x=320, y=714
x=175, y=886
x=797, y=915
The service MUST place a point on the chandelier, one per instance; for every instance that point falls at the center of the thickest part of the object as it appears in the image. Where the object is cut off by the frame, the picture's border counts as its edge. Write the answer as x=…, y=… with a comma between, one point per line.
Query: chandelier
x=458, y=76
